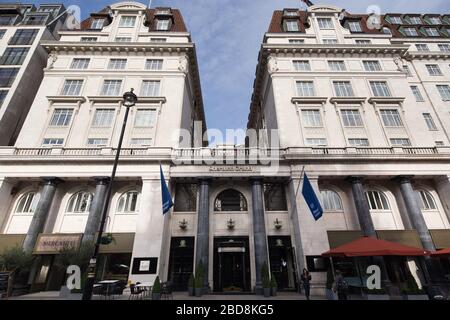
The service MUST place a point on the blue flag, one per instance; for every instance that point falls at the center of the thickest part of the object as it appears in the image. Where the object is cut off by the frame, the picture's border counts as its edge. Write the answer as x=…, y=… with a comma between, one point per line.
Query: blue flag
x=167, y=202
x=311, y=199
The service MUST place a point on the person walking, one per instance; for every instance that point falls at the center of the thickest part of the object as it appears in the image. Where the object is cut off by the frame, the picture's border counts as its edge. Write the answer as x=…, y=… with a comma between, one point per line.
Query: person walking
x=306, y=282
x=340, y=286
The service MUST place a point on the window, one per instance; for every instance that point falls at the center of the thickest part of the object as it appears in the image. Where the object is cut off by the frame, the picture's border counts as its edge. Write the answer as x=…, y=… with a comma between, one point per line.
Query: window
x=407, y=71
x=34, y=20
x=61, y=117
x=153, y=64
x=48, y=142
x=351, y=118
x=358, y=142
x=230, y=200
x=141, y=142
x=97, y=24
x=311, y=118
x=330, y=200
x=88, y=39
x=444, y=91
x=396, y=20
x=329, y=41
x=27, y=203
x=162, y=12
x=386, y=30
x=274, y=197
x=377, y=200
x=80, y=202
x=400, y=142
x=7, y=20
x=123, y=39
x=97, y=141
x=363, y=41
x=417, y=94
x=150, y=88
x=380, y=89
x=145, y=118
x=7, y=76
x=158, y=40
x=316, y=142
x=354, y=26
x=301, y=65
x=444, y=47
x=372, y=65
x=3, y=94
x=185, y=197
x=103, y=118
x=391, y=118
x=117, y=64
x=422, y=47
x=429, y=121
x=128, y=202
x=426, y=200
x=434, y=70
x=162, y=25
x=415, y=20
x=23, y=37
x=432, y=32
x=80, y=63
x=13, y=56
x=296, y=41
x=434, y=20
x=305, y=88
x=127, y=21
x=343, y=88
x=290, y=13
x=337, y=65
x=325, y=23
x=291, y=26
x=72, y=87
x=410, y=32
x=111, y=88
x=2, y=33
x=439, y=143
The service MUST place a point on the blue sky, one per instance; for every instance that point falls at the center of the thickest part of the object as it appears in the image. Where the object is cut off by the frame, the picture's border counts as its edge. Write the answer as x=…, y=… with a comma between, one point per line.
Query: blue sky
x=228, y=34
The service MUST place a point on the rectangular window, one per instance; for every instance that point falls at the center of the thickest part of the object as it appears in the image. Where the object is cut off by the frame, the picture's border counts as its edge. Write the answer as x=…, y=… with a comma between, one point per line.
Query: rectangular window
x=162, y=24
x=3, y=94
x=325, y=23
x=141, y=142
x=336, y=65
x=153, y=64
x=432, y=32
x=400, y=142
x=48, y=142
x=407, y=71
x=343, y=88
x=290, y=13
x=434, y=20
x=72, y=87
x=391, y=118
x=88, y=39
x=145, y=118
x=417, y=94
x=415, y=20
x=2, y=33
x=423, y=47
x=14, y=56
x=23, y=37
x=329, y=41
x=61, y=117
x=444, y=47
x=158, y=40
x=430, y=122
x=317, y=142
x=7, y=76
x=150, y=88
x=358, y=142
x=97, y=141
x=80, y=63
x=354, y=26
x=7, y=20
x=434, y=70
x=111, y=88
x=103, y=118
x=363, y=41
x=296, y=41
x=301, y=65
x=117, y=64
x=396, y=20
x=444, y=91
x=97, y=24
x=127, y=21
x=291, y=26
x=439, y=143
x=35, y=20
x=351, y=118
x=311, y=118
x=372, y=65
x=410, y=32
x=305, y=89
x=123, y=39
x=380, y=89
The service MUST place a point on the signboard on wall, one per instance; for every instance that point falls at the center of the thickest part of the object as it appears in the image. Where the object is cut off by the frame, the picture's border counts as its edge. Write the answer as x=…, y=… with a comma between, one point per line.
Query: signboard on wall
x=54, y=243
x=144, y=266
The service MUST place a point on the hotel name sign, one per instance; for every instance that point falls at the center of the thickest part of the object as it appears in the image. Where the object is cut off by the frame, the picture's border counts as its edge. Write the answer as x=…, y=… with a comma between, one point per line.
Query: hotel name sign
x=231, y=169
x=54, y=243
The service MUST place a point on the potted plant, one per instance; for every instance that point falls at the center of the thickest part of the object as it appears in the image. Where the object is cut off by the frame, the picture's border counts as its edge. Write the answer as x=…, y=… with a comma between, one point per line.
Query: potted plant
x=191, y=284
x=18, y=263
x=412, y=291
x=273, y=285
x=107, y=238
x=265, y=280
x=376, y=294
x=329, y=286
x=198, y=281
x=156, y=290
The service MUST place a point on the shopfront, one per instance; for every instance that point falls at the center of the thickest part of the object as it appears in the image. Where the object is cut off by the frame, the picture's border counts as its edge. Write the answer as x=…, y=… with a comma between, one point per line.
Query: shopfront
x=181, y=262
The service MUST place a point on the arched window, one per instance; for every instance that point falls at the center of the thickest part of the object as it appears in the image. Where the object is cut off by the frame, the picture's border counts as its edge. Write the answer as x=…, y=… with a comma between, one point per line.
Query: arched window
x=331, y=200
x=377, y=200
x=80, y=202
x=386, y=30
x=230, y=200
x=128, y=202
x=426, y=200
x=27, y=203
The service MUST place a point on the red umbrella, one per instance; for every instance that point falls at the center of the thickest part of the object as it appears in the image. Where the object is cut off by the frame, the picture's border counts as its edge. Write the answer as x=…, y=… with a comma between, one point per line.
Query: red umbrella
x=442, y=253
x=366, y=247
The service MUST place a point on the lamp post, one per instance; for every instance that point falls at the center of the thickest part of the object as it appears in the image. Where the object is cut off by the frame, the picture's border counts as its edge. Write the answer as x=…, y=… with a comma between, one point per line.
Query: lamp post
x=129, y=100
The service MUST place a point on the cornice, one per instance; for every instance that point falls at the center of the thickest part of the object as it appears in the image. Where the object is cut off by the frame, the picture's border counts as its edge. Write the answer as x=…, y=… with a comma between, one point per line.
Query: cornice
x=319, y=100
x=335, y=49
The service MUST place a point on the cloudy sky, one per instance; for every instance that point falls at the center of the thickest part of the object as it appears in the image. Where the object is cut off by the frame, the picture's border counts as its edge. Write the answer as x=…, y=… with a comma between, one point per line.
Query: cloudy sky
x=228, y=34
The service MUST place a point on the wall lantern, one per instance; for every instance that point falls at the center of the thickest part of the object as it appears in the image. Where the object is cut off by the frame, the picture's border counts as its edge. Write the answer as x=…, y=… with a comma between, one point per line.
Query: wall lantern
x=277, y=223
x=230, y=224
x=183, y=224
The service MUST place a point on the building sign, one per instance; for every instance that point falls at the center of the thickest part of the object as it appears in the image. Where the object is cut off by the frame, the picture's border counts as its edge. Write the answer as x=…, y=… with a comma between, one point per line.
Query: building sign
x=144, y=266
x=231, y=169
x=54, y=243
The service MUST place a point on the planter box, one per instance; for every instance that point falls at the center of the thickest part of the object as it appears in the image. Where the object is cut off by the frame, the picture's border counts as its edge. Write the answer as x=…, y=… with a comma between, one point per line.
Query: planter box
x=266, y=292
x=415, y=297
x=191, y=291
x=377, y=297
x=274, y=292
x=198, y=292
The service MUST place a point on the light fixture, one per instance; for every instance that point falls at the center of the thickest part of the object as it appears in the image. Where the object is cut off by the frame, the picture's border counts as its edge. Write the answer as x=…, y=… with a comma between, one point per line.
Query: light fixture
x=278, y=224
x=230, y=224
x=129, y=98
x=183, y=224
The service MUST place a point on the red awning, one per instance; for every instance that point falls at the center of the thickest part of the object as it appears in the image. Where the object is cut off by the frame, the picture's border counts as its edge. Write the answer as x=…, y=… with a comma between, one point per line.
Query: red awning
x=442, y=253
x=366, y=247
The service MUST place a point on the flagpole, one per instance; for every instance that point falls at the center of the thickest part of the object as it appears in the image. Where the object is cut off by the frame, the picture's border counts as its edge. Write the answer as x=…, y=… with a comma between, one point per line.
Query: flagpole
x=300, y=182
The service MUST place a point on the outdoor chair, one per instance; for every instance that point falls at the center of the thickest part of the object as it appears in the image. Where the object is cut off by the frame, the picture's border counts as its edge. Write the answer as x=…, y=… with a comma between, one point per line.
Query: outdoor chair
x=135, y=292
x=166, y=291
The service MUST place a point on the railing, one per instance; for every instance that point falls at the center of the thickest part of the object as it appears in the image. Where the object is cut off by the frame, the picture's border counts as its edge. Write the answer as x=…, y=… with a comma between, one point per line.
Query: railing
x=33, y=152
x=81, y=151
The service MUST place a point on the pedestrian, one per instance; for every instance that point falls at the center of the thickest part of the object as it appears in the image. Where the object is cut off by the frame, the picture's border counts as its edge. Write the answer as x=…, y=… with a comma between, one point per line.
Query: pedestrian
x=340, y=286
x=306, y=282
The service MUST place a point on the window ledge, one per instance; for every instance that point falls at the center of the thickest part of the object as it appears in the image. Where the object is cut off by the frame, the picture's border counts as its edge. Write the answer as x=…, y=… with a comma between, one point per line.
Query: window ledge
x=309, y=99
x=66, y=98
x=386, y=99
x=347, y=99
x=120, y=98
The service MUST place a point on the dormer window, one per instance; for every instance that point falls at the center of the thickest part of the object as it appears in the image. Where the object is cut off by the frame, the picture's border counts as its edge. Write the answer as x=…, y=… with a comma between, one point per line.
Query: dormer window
x=162, y=24
x=290, y=13
x=291, y=26
x=8, y=20
x=163, y=12
x=325, y=23
x=127, y=21
x=415, y=20
x=354, y=26
x=97, y=24
x=434, y=20
x=432, y=32
x=52, y=10
x=35, y=20
x=410, y=32
x=386, y=30
x=396, y=20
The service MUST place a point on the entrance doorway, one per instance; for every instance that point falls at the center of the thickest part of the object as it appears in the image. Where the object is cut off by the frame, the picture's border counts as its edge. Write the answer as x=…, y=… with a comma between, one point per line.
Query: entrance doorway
x=181, y=262
x=282, y=263
x=231, y=265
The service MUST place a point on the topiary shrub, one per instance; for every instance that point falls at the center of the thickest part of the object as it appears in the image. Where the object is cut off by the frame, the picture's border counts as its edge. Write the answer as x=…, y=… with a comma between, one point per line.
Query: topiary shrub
x=273, y=282
x=156, y=286
x=191, y=281
x=265, y=276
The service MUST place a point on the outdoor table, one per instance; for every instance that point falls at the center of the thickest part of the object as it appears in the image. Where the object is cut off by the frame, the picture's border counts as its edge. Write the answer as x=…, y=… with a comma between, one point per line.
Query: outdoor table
x=108, y=284
x=146, y=286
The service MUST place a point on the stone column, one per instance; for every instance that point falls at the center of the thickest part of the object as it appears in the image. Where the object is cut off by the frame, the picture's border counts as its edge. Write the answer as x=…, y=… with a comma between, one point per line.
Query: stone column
x=96, y=211
x=41, y=213
x=443, y=190
x=202, y=241
x=6, y=188
x=259, y=232
x=362, y=207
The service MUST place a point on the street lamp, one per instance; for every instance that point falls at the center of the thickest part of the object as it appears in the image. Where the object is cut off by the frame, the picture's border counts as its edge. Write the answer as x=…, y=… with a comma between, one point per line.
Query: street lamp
x=129, y=100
